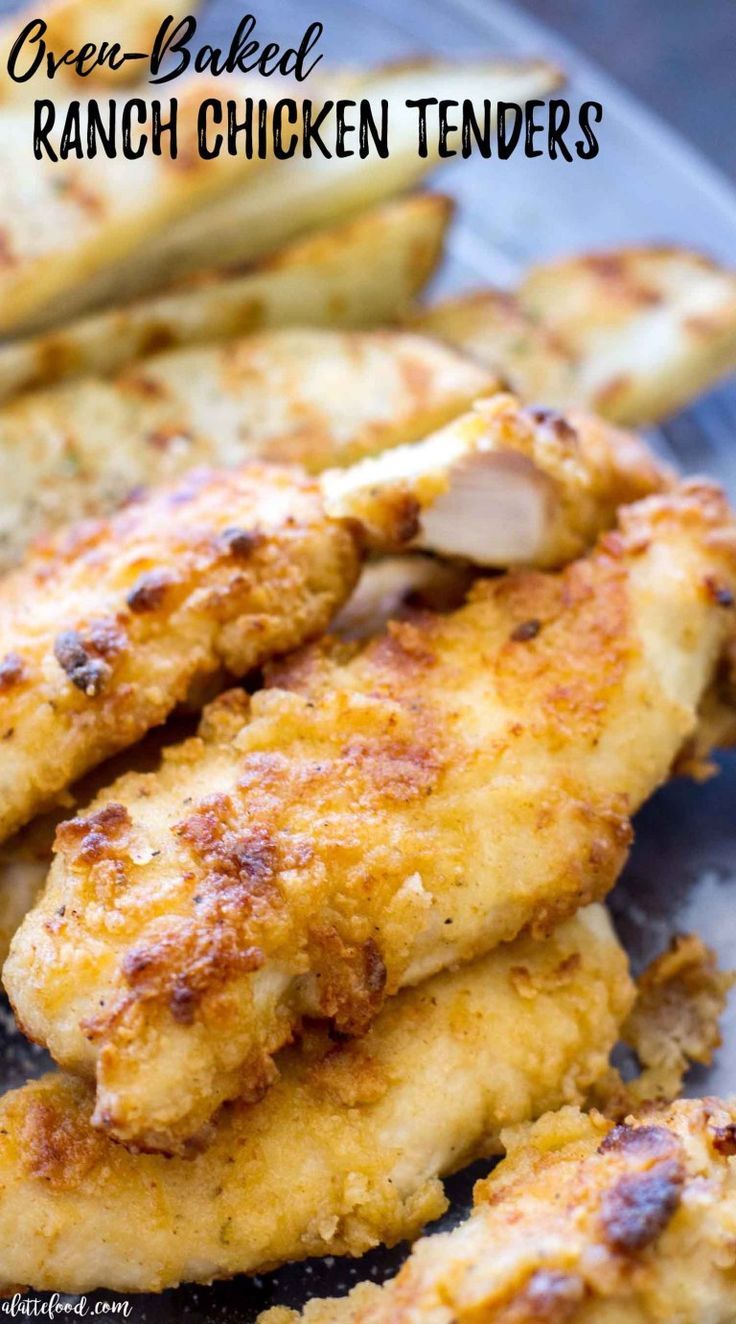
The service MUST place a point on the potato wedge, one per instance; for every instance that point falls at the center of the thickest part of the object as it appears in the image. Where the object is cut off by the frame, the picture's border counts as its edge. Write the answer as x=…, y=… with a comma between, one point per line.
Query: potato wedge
x=649, y=328
x=253, y=220
x=319, y=397
x=362, y=273
x=62, y=222
x=491, y=327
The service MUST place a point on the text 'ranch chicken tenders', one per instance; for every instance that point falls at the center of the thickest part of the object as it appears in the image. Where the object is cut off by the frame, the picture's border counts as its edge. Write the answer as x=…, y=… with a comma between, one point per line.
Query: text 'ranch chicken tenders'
x=345, y=1150
x=88, y=233
x=107, y=626
x=582, y=1222
x=373, y=816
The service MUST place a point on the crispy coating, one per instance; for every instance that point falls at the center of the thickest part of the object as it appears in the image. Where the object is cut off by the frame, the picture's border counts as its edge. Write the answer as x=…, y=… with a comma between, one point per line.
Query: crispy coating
x=582, y=1223
x=314, y=397
x=527, y=485
x=372, y=817
x=232, y=567
x=25, y=858
x=676, y=1020
x=105, y=629
x=345, y=1151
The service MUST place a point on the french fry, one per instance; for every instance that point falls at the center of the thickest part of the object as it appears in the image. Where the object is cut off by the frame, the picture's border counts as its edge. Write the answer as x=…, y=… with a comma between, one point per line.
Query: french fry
x=253, y=220
x=317, y=397
x=362, y=273
x=649, y=328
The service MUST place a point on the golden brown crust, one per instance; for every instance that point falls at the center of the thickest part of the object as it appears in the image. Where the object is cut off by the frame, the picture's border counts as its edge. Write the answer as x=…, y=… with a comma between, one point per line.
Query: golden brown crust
x=581, y=1224
x=25, y=859
x=456, y=780
x=345, y=1150
x=105, y=629
x=676, y=1018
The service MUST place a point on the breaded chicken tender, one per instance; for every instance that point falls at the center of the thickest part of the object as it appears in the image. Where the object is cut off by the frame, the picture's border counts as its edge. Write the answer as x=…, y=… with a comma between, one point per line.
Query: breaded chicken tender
x=106, y=628
x=516, y=485
x=344, y=1152
x=376, y=815
x=24, y=864
x=582, y=1223
x=26, y=857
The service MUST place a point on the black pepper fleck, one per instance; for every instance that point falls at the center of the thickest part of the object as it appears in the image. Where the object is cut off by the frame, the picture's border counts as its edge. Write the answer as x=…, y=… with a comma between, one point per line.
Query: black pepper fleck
x=526, y=631
x=240, y=542
x=12, y=670
x=89, y=674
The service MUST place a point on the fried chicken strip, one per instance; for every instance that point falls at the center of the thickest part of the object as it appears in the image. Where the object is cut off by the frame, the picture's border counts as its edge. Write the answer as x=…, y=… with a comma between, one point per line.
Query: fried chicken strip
x=344, y=1152
x=105, y=629
x=372, y=817
x=507, y=485
x=25, y=858
x=582, y=1223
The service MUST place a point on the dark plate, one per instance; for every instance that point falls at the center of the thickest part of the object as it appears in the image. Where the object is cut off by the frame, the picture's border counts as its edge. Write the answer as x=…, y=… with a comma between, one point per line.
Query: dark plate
x=646, y=185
